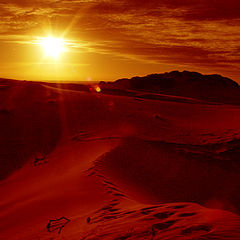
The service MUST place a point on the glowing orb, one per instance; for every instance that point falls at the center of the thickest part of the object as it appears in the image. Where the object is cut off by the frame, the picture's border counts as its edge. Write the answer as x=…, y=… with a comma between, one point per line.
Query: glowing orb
x=53, y=47
x=98, y=89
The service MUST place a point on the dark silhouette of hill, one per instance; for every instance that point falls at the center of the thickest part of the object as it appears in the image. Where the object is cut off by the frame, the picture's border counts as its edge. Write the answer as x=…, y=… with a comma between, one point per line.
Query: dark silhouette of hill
x=214, y=88
x=183, y=85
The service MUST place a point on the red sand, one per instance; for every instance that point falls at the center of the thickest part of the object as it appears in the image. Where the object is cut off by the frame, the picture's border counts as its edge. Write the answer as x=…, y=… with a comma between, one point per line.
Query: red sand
x=116, y=167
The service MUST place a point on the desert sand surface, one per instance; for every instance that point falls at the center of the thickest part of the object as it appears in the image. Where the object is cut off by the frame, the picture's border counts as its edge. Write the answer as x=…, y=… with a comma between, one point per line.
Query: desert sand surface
x=79, y=164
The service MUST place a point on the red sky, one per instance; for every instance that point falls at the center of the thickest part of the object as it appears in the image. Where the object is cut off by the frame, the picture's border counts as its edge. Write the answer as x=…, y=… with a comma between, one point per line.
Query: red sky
x=113, y=39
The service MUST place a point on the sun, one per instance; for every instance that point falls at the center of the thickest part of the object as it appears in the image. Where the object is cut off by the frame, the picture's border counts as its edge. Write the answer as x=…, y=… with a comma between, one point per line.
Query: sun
x=52, y=46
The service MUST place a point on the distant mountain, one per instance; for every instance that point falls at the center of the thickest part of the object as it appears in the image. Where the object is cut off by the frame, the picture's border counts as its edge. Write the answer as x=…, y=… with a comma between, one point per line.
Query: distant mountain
x=185, y=84
x=208, y=88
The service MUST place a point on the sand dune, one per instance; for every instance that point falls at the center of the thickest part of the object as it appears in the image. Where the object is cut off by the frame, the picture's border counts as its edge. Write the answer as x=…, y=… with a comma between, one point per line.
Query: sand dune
x=175, y=172
x=116, y=167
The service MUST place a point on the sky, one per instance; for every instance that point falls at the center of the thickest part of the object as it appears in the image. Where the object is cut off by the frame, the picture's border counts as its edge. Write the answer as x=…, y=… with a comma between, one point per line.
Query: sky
x=111, y=39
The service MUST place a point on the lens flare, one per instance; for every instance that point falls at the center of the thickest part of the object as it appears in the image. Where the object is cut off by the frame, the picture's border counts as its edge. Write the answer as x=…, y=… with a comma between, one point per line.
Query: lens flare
x=98, y=89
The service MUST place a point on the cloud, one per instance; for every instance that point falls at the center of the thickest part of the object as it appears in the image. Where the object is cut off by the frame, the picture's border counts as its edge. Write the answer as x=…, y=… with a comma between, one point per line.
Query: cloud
x=195, y=33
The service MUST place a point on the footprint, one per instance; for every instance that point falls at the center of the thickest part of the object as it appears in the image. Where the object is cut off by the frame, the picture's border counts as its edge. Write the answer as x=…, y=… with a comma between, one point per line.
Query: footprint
x=126, y=236
x=178, y=206
x=187, y=214
x=163, y=215
x=110, y=217
x=114, y=204
x=81, y=135
x=198, y=228
x=57, y=224
x=113, y=209
x=164, y=225
x=128, y=212
x=41, y=159
x=146, y=212
x=114, y=189
x=149, y=208
x=108, y=207
x=119, y=195
x=108, y=183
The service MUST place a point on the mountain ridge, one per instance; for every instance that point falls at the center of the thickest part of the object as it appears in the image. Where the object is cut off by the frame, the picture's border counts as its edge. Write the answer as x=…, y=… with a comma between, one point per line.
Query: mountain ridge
x=213, y=87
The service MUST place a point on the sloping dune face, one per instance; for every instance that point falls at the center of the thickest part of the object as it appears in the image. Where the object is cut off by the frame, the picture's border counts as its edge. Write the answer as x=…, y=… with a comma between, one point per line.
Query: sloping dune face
x=157, y=171
x=77, y=164
x=29, y=123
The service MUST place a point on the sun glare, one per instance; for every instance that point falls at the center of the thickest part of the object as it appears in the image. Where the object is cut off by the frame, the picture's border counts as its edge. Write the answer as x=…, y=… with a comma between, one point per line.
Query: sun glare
x=53, y=47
